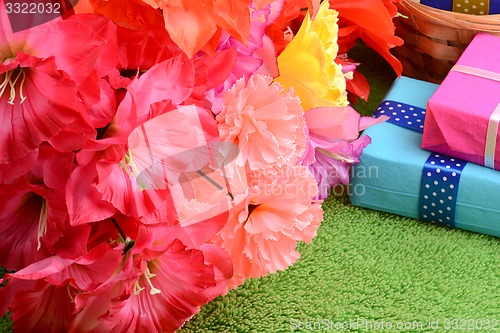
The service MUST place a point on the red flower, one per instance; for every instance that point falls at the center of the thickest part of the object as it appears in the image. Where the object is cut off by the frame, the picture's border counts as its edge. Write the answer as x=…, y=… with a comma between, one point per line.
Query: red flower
x=371, y=21
x=33, y=214
x=133, y=14
x=45, y=308
x=169, y=82
x=160, y=284
x=46, y=87
x=41, y=296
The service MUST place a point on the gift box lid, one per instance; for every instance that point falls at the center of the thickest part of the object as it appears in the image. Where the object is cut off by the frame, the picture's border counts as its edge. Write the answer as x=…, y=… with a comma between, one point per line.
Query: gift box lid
x=459, y=111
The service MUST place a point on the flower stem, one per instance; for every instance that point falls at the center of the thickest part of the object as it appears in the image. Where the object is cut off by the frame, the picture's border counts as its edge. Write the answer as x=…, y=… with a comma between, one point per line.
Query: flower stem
x=120, y=230
x=128, y=242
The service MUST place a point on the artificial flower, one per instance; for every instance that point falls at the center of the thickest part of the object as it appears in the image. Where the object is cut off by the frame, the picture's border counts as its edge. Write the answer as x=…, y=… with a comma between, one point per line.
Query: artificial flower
x=158, y=150
x=46, y=87
x=307, y=63
x=133, y=14
x=258, y=55
x=265, y=121
x=162, y=155
x=212, y=71
x=333, y=144
x=262, y=231
x=193, y=25
x=370, y=20
x=160, y=284
x=36, y=309
x=33, y=214
x=139, y=50
x=88, y=197
x=42, y=103
x=48, y=288
x=365, y=20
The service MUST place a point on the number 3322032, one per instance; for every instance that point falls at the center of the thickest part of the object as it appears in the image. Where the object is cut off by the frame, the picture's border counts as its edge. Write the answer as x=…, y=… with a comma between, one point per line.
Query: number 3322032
x=32, y=8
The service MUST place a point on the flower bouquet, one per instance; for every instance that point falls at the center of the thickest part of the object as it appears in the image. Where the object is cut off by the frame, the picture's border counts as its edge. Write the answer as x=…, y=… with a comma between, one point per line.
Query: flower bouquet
x=155, y=154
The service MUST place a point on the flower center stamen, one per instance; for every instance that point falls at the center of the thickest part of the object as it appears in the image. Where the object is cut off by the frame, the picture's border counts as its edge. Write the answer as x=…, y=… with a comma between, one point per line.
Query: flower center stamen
x=10, y=80
x=72, y=299
x=42, y=223
x=137, y=288
x=335, y=156
x=148, y=276
x=131, y=169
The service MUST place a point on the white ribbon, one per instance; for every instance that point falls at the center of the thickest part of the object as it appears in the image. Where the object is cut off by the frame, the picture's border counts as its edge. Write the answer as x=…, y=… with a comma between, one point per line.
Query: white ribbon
x=494, y=121
x=491, y=138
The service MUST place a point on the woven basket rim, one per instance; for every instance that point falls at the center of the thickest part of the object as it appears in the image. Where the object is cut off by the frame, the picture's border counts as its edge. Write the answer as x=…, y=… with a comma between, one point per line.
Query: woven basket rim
x=485, y=23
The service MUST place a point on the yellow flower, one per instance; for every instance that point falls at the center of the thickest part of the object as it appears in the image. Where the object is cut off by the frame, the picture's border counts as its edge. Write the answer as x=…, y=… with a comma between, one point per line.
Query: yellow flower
x=307, y=63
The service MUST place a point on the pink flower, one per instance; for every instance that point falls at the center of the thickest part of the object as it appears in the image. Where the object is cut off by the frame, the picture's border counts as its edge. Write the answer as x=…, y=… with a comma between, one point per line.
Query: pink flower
x=44, y=308
x=33, y=214
x=333, y=161
x=38, y=102
x=161, y=283
x=262, y=231
x=333, y=144
x=142, y=278
x=158, y=151
x=155, y=93
x=46, y=86
x=41, y=296
x=266, y=122
x=256, y=56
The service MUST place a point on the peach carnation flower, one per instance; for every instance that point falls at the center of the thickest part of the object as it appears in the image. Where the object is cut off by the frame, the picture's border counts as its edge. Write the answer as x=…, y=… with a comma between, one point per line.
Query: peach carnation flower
x=262, y=230
x=265, y=121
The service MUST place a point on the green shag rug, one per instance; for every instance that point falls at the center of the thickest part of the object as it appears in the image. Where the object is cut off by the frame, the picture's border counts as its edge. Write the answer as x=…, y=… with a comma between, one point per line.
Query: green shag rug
x=368, y=271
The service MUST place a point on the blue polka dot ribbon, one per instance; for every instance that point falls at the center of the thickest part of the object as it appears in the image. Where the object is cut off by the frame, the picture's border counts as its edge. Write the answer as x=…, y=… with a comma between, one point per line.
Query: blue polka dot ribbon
x=441, y=173
x=401, y=114
x=439, y=189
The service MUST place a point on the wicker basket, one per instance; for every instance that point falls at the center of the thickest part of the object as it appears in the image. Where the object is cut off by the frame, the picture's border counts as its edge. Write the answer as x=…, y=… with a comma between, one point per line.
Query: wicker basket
x=435, y=38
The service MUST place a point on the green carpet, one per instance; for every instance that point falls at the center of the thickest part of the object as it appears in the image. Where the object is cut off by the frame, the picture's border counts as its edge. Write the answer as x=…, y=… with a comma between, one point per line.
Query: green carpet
x=370, y=266
x=368, y=271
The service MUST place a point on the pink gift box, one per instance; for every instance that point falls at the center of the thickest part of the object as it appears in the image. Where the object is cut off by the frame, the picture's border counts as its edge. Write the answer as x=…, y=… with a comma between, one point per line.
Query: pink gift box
x=463, y=114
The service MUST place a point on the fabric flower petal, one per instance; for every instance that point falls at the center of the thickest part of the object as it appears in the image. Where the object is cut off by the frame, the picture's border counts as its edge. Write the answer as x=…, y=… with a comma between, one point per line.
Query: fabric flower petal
x=265, y=121
x=190, y=26
x=307, y=63
x=36, y=309
x=375, y=26
x=262, y=230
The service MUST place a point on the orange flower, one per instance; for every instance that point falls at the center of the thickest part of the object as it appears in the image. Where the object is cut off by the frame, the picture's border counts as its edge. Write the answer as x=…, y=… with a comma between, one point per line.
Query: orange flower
x=192, y=24
x=132, y=14
x=370, y=20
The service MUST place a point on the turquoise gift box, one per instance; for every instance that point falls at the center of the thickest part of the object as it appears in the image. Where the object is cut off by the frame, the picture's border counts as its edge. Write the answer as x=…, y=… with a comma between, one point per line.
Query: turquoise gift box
x=390, y=176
